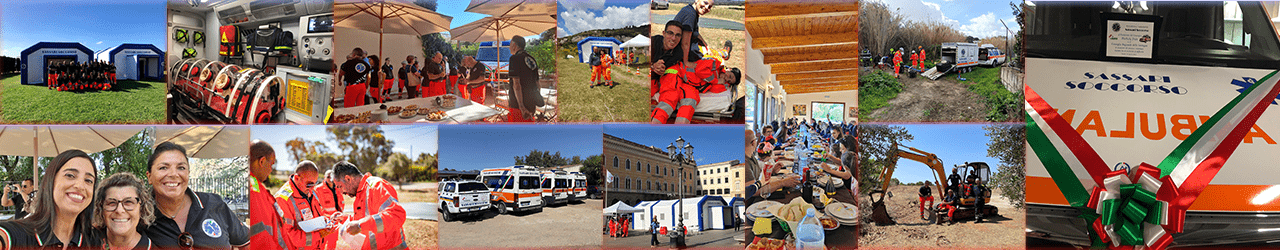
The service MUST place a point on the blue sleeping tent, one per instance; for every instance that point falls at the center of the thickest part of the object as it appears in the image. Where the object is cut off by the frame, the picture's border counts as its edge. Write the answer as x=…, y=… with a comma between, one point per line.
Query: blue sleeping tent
x=36, y=59
x=134, y=61
x=587, y=44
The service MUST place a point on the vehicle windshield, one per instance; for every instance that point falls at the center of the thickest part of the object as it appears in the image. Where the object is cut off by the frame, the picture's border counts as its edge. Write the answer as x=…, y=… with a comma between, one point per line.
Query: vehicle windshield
x=471, y=186
x=1230, y=34
x=493, y=181
x=561, y=183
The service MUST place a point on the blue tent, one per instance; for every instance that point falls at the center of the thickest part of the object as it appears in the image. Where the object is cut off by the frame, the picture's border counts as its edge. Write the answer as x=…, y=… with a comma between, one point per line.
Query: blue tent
x=35, y=60
x=587, y=44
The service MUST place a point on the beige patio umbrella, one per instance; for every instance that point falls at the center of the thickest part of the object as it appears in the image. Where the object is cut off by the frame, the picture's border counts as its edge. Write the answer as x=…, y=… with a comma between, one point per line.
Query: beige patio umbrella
x=49, y=141
x=388, y=16
x=512, y=7
x=207, y=142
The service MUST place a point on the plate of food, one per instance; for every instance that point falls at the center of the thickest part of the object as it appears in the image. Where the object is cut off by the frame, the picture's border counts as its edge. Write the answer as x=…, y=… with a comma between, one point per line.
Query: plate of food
x=344, y=118
x=758, y=210
x=407, y=113
x=828, y=223
x=394, y=110
x=843, y=212
x=425, y=111
x=437, y=116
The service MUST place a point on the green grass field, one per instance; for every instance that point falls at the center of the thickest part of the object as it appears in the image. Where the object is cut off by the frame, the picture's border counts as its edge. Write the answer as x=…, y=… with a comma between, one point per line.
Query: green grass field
x=627, y=102
x=130, y=102
x=1002, y=104
x=876, y=88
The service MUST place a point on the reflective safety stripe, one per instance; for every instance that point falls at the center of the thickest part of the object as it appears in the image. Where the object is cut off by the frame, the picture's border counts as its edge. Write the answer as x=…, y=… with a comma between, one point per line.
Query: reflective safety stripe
x=672, y=71
x=373, y=241
x=709, y=79
x=688, y=102
x=377, y=220
x=259, y=228
x=666, y=107
x=681, y=119
x=297, y=215
x=403, y=244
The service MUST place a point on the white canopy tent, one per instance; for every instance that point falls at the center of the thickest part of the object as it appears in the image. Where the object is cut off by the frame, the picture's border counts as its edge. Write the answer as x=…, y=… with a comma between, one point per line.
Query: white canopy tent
x=620, y=208
x=637, y=41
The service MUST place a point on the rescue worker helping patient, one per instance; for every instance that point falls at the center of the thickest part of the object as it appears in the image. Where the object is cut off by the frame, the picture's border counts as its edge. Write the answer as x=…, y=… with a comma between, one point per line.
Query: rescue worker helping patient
x=680, y=85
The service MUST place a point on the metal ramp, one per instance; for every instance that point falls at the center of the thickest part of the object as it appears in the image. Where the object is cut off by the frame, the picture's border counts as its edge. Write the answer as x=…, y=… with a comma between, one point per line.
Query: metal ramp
x=933, y=73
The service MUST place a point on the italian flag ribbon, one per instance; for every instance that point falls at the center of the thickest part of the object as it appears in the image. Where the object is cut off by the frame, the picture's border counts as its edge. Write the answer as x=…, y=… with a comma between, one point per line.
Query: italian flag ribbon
x=1145, y=206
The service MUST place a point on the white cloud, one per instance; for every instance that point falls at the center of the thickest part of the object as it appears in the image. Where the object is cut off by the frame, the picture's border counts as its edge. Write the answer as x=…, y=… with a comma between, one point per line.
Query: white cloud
x=400, y=149
x=611, y=17
x=99, y=42
x=921, y=11
x=582, y=4
x=986, y=25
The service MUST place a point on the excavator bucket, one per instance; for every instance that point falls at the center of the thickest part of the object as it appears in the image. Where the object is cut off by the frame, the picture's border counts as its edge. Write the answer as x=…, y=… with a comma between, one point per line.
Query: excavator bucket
x=879, y=212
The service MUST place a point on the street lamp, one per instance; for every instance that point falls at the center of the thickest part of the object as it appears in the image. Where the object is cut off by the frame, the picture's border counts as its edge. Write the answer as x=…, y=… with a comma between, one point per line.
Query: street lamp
x=679, y=156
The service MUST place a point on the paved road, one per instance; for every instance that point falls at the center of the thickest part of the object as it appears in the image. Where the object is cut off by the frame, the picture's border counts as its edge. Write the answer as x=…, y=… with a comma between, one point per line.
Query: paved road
x=561, y=226
x=420, y=210
x=724, y=239
x=702, y=22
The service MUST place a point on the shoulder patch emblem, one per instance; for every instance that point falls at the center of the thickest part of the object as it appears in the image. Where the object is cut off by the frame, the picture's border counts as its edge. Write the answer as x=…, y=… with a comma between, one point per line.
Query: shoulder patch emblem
x=211, y=228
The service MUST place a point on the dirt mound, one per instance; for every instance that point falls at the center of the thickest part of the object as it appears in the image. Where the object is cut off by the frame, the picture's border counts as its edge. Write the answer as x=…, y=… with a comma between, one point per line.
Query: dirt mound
x=996, y=231
x=921, y=99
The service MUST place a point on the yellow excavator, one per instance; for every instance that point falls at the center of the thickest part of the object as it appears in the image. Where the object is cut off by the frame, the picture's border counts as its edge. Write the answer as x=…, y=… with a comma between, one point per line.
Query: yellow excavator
x=977, y=173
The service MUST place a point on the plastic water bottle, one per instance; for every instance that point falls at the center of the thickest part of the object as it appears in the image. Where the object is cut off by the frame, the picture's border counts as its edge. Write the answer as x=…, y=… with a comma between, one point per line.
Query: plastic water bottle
x=809, y=235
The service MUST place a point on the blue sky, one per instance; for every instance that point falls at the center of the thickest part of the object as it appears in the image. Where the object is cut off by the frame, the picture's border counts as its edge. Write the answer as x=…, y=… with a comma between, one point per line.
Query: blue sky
x=583, y=15
x=953, y=143
x=711, y=143
x=418, y=138
x=456, y=9
x=96, y=24
x=475, y=147
x=975, y=18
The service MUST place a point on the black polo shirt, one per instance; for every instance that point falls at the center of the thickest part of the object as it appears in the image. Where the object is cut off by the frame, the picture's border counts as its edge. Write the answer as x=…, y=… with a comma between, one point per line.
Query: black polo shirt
x=20, y=238
x=435, y=69
x=209, y=221
x=476, y=72
x=355, y=71
x=524, y=67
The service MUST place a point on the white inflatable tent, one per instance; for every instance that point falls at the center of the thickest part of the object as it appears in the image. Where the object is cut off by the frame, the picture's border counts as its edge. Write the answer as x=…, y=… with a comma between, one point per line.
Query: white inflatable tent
x=35, y=60
x=134, y=61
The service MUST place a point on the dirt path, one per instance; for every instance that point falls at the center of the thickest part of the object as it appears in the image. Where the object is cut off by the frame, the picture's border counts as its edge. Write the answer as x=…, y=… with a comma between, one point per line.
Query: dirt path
x=924, y=100
x=999, y=232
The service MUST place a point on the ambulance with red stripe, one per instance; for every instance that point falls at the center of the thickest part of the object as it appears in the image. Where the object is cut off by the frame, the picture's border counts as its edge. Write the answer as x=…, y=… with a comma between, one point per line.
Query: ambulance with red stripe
x=1135, y=80
x=555, y=187
x=514, y=188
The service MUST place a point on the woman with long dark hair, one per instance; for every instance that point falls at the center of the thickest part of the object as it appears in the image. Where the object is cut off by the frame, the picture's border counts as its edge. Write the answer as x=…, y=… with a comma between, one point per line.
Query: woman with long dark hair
x=124, y=210
x=61, y=215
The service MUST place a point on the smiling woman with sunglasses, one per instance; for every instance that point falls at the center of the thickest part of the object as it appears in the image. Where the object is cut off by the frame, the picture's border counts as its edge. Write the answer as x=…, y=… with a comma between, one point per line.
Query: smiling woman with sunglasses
x=186, y=219
x=124, y=212
x=60, y=216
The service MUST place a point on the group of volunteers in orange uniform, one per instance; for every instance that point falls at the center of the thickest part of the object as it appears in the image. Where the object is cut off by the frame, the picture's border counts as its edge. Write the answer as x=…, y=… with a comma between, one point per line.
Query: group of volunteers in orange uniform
x=307, y=213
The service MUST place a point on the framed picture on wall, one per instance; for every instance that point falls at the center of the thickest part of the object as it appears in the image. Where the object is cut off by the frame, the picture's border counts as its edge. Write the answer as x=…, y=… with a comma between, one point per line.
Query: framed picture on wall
x=828, y=111
x=800, y=110
x=853, y=112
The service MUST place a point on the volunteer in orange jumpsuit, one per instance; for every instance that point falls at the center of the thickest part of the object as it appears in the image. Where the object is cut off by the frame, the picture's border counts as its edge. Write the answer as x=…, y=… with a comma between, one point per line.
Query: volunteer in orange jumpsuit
x=897, y=62
x=915, y=59
x=597, y=59
x=378, y=213
x=922, y=58
x=680, y=89
x=328, y=201
x=296, y=201
x=606, y=68
x=264, y=217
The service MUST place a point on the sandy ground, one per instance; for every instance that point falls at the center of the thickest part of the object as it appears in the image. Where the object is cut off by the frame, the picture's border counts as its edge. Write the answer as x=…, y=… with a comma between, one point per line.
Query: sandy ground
x=1005, y=231
x=576, y=225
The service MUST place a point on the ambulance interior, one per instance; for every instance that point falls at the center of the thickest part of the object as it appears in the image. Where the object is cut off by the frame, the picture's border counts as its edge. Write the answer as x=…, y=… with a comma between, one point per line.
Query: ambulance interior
x=289, y=39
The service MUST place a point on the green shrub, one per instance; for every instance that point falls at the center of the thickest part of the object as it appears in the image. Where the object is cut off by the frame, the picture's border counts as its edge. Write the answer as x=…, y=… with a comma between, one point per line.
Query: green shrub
x=875, y=90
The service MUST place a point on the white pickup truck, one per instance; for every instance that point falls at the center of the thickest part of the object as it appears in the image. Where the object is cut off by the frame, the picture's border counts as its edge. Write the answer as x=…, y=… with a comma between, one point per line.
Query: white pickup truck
x=463, y=197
